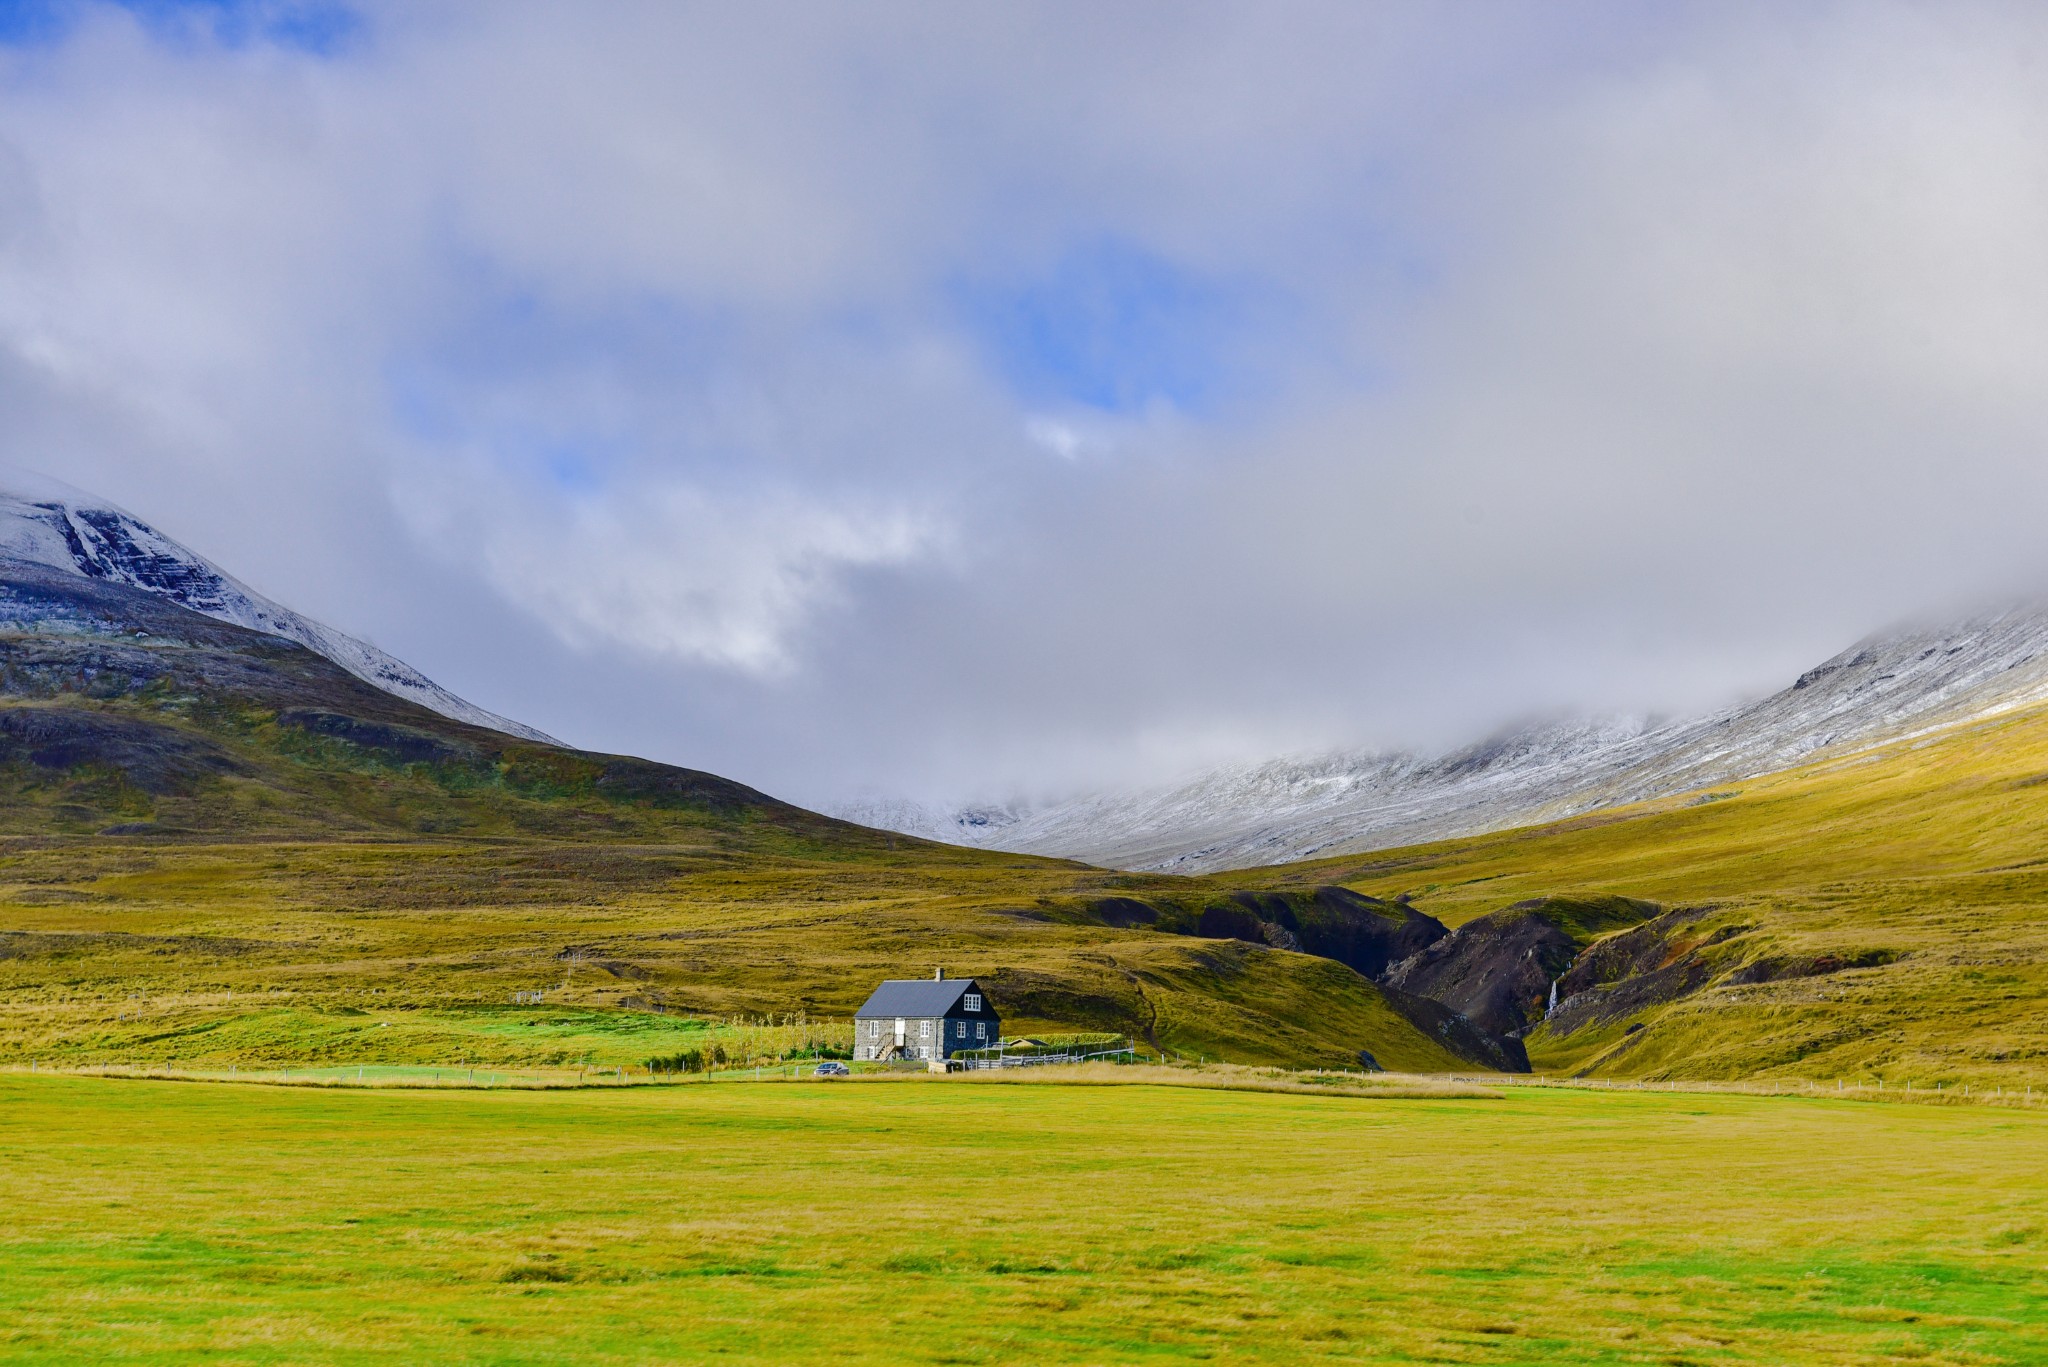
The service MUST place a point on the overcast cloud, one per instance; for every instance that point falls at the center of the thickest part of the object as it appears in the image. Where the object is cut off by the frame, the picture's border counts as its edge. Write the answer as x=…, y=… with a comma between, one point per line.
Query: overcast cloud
x=952, y=400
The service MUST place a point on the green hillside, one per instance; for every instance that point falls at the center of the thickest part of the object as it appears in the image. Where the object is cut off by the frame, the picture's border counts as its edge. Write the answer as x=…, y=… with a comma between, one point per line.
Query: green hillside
x=1880, y=915
x=218, y=846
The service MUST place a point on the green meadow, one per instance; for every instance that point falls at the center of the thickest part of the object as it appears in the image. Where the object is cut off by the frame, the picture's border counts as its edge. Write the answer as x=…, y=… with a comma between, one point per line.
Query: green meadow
x=942, y=1221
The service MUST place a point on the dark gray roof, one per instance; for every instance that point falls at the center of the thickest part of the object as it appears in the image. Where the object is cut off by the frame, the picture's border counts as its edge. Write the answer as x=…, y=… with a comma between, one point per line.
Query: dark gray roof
x=917, y=996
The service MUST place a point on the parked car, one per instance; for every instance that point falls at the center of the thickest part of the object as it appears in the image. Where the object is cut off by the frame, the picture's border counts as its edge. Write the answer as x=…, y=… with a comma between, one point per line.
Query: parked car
x=831, y=1068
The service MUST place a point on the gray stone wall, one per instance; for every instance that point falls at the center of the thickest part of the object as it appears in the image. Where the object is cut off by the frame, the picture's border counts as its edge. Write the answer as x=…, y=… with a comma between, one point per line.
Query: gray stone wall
x=923, y=1038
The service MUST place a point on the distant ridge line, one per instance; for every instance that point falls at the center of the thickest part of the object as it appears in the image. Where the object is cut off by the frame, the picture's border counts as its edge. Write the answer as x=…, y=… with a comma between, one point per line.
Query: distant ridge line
x=1886, y=687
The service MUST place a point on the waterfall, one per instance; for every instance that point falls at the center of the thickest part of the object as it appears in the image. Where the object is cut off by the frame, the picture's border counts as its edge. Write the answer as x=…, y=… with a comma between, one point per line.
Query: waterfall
x=1553, y=996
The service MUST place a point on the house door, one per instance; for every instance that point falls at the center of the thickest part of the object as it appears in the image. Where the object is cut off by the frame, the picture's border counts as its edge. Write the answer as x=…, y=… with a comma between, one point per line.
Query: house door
x=899, y=1033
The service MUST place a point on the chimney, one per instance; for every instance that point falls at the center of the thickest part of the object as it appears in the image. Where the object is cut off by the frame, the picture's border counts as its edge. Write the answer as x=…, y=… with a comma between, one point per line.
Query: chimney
x=938, y=975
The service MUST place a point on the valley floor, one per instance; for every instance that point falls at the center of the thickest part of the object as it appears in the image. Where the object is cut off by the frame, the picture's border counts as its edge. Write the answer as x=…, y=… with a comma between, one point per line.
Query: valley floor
x=947, y=1222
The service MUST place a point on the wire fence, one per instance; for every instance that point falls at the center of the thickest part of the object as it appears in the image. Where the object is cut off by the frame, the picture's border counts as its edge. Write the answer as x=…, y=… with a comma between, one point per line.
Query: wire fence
x=626, y=1075
x=1845, y=1089
x=356, y=1075
x=1040, y=1057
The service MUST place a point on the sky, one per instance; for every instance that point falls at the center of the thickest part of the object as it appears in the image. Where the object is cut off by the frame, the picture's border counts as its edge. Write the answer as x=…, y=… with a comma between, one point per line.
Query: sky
x=964, y=401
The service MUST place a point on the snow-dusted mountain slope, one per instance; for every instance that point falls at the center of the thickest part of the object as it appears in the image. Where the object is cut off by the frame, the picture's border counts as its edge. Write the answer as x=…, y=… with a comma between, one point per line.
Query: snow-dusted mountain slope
x=972, y=825
x=48, y=523
x=1889, y=686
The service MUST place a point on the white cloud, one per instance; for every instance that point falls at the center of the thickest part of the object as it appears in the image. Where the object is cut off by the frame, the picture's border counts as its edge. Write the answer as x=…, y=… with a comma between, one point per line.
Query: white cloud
x=1069, y=439
x=1604, y=353
x=669, y=570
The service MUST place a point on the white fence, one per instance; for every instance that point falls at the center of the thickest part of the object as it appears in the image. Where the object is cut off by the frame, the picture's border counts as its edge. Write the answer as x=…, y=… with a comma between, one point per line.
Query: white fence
x=1079, y=1054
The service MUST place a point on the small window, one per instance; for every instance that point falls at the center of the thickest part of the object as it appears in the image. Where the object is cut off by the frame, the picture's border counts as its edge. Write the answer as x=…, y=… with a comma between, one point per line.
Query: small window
x=973, y=1002
x=981, y=1029
x=924, y=1029
x=874, y=1029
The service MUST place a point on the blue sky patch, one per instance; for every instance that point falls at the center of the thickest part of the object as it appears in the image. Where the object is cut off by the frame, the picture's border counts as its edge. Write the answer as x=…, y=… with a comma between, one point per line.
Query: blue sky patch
x=1116, y=328
x=561, y=392
x=322, y=28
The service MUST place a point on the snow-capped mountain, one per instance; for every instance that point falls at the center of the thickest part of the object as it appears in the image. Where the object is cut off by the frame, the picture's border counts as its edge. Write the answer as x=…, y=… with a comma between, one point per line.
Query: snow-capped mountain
x=1885, y=688
x=970, y=825
x=48, y=523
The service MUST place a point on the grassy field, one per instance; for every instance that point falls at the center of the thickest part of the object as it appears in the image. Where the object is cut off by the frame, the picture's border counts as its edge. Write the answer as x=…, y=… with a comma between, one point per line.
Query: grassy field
x=950, y=1222
x=413, y=952
x=1932, y=852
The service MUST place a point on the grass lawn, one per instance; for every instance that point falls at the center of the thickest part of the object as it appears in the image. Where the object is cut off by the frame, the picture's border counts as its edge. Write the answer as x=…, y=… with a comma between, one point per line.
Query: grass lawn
x=948, y=1222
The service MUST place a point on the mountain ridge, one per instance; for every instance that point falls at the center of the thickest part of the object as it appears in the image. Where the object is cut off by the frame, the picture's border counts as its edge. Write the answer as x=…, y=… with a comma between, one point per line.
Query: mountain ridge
x=46, y=522
x=1886, y=686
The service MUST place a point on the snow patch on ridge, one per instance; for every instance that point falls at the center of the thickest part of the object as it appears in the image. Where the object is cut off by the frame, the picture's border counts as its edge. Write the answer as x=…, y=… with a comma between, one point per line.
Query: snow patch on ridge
x=980, y=824
x=48, y=523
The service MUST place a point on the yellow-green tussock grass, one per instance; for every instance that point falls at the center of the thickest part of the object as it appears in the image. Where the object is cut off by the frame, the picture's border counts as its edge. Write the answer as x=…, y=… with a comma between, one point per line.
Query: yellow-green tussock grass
x=334, y=953
x=1927, y=854
x=155, y=1223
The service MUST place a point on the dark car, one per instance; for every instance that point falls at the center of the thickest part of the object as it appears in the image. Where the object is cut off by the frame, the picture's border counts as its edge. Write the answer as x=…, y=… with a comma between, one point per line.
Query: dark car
x=831, y=1068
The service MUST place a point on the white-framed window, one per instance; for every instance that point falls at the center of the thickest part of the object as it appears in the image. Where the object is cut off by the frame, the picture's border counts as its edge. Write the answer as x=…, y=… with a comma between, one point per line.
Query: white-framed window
x=981, y=1029
x=972, y=1001
x=874, y=1029
x=924, y=1029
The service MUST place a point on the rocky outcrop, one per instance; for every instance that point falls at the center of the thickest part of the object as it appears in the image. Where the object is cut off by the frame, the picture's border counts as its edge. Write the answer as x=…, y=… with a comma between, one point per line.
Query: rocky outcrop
x=1363, y=933
x=134, y=753
x=1501, y=971
x=1635, y=970
x=1782, y=967
x=1675, y=955
x=1496, y=970
x=1360, y=932
x=1459, y=1033
x=1367, y=934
